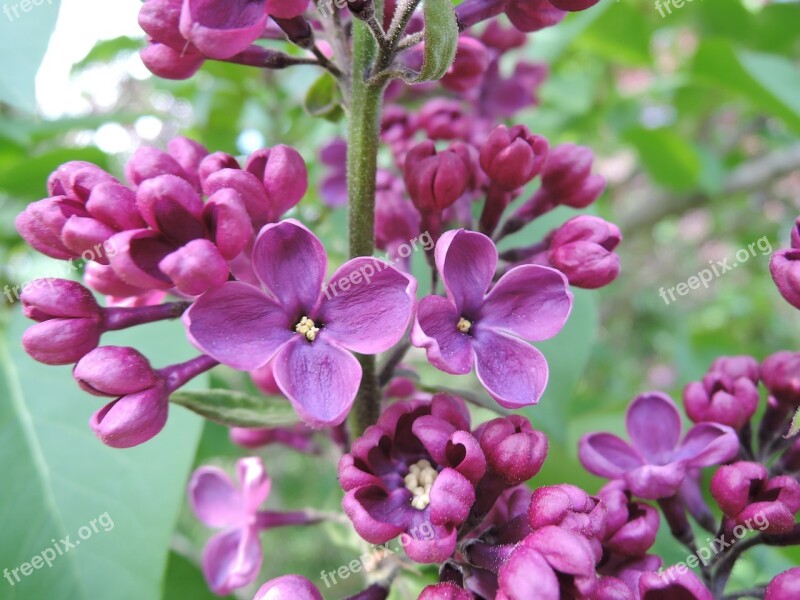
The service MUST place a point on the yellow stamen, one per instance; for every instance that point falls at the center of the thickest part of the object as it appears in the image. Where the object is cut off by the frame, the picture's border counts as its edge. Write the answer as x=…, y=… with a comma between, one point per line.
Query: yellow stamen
x=419, y=481
x=307, y=327
x=463, y=325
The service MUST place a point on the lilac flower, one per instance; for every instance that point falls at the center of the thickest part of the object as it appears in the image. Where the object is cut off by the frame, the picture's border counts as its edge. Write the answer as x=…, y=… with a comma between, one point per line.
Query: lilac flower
x=719, y=398
x=675, y=582
x=785, y=585
x=631, y=527
x=468, y=68
x=295, y=587
x=222, y=30
x=416, y=468
x=655, y=463
x=310, y=334
x=472, y=328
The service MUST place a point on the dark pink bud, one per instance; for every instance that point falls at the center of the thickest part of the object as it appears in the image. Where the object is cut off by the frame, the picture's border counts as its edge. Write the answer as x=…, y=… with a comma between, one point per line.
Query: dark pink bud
x=567, y=177
x=227, y=221
x=41, y=222
x=513, y=449
x=136, y=261
x=582, y=249
x=249, y=188
x=434, y=181
x=468, y=68
x=131, y=419
x=170, y=204
x=283, y=172
x=735, y=367
x=444, y=591
x=222, y=30
x=196, y=267
x=160, y=20
x=58, y=181
x=785, y=585
x=114, y=371
x=444, y=120
x=533, y=15
x=86, y=237
x=167, y=63
x=502, y=38
x=216, y=161
x=288, y=586
x=631, y=527
x=115, y=205
x=188, y=154
x=148, y=162
x=103, y=279
x=512, y=157
x=785, y=269
x=781, y=375
x=675, y=582
x=720, y=399
x=58, y=299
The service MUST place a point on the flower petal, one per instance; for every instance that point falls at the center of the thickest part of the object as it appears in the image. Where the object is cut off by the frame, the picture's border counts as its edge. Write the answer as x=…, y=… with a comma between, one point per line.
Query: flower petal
x=238, y=325
x=654, y=426
x=607, y=455
x=467, y=261
x=290, y=261
x=452, y=497
x=512, y=371
x=530, y=301
x=214, y=499
x=254, y=481
x=708, y=444
x=376, y=516
x=232, y=559
x=434, y=329
x=369, y=305
x=526, y=574
x=319, y=378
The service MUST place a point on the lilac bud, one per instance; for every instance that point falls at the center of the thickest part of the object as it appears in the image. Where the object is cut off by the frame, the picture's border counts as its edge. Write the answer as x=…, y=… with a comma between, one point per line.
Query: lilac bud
x=59, y=180
x=781, y=375
x=471, y=12
x=188, y=154
x=737, y=366
x=513, y=449
x=573, y=5
x=115, y=205
x=216, y=161
x=148, y=162
x=228, y=223
x=286, y=9
x=513, y=157
x=444, y=120
x=502, y=38
x=160, y=20
x=41, y=223
x=170, y=204
x=434, y=180
x=567, y=177
x=103, y=279
x=114, y=371
x=631, y=527
x=288, y=586
x=78, y=179
x=283, y=172
x=582, y=249
x=745, y=493
x=444, y=591
x=221, y=31
x=164, y=62
x=86, y=237
x=673, y=582
x=533, y=15
x=196, y=267
x=70, y=321
x=783, y=586
x=718, y=399
x=468, y=68
x=136, y=261
x=132, y=419
x=785, y=269
x=249, y=188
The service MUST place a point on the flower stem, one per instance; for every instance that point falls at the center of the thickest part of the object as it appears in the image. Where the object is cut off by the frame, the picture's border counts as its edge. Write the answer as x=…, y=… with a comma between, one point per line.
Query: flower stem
x=364, y=113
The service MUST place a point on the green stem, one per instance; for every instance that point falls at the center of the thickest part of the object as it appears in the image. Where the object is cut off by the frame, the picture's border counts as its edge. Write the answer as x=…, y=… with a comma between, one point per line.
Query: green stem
x=364, y=113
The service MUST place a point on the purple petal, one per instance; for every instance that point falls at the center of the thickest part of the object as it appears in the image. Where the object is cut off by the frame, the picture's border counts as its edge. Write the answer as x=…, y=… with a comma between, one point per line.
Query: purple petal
x=131, y=420
x=435, y=330
x=238, y=325
x=656, y=481
x=232, y=560
x=196, y=267
x=434, y=550
x=531, y=301
x=512, y=371
x=607, y=455
x=290, y=261
x=375, y=516
x=369, y=305
x=434, y=433
x=467, y=261
x=138, y=253
x=525, y=575
x=214, y=499
x=654, y=426
x=708, y=444
x=254, y=481
x=320, y=380
x=222, y=30
x=452, y=497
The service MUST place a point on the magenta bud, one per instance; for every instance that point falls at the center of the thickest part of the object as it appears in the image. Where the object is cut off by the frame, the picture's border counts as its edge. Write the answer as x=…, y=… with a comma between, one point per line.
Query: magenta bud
x=573, y=5
x=114, y=371
x=59, y=180
x=228, y=223
x=513, y=157
x=444, y=119
x=103, y=279
x=86, y=237
x=171, y=205
x=41, y=222
x=115, y=205
x=533, y=15
x=444, y=591
x=148, y=162
x=196, y=267
x=567, y=178
x=249, y=188
x=164, y=62
x=785, y=269
x=216, y=161
x=434, y=181
x=286, y=9
x=719, y=399
x=502, y=38
x=781, y=375
x=283, y=172
x=673, y=582
x=295, y=587
x=131, y=419
x=468, y=68
x=631, y=527
x=188, y=154
x=221, y=31
x=58, y=299
x=783, y=586
x=138, y=253
x=79, y=180
x=582, y=249
x=736, y=367
x=513, y=449
x=160, y=20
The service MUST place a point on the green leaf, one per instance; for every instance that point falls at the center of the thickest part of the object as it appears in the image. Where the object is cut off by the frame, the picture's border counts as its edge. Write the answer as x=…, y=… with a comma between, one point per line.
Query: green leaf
x=237, y=409
x=107, y=50
x=62, y=477
x=24, y=35
x=620, y=34
x=441, y=41
x=27, y=177
x=184, y=580
x=670, y=160
x=794, y=429
x=324, y=99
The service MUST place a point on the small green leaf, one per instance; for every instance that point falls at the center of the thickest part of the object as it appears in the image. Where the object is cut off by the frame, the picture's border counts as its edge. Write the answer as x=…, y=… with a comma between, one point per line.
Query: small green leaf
x=670, y=160
x=441, y=41
x=237, y=409
x=324, y=99
x=794, y=429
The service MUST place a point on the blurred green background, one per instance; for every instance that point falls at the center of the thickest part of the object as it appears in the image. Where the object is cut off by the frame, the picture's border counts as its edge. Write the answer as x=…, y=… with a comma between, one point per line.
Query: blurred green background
x=694, y=119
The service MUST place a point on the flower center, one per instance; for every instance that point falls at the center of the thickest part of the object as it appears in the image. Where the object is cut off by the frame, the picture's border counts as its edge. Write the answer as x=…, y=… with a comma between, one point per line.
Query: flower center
x=307, y=328
x=463, y=325
x=419, y=481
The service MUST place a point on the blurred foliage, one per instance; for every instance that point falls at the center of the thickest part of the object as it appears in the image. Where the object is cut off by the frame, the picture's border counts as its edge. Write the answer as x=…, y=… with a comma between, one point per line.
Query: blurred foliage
x=672, y=107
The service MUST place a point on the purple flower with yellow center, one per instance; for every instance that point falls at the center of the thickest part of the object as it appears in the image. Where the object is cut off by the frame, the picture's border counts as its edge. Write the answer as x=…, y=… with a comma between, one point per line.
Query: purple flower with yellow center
x=307, y=332
x=472, y=328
